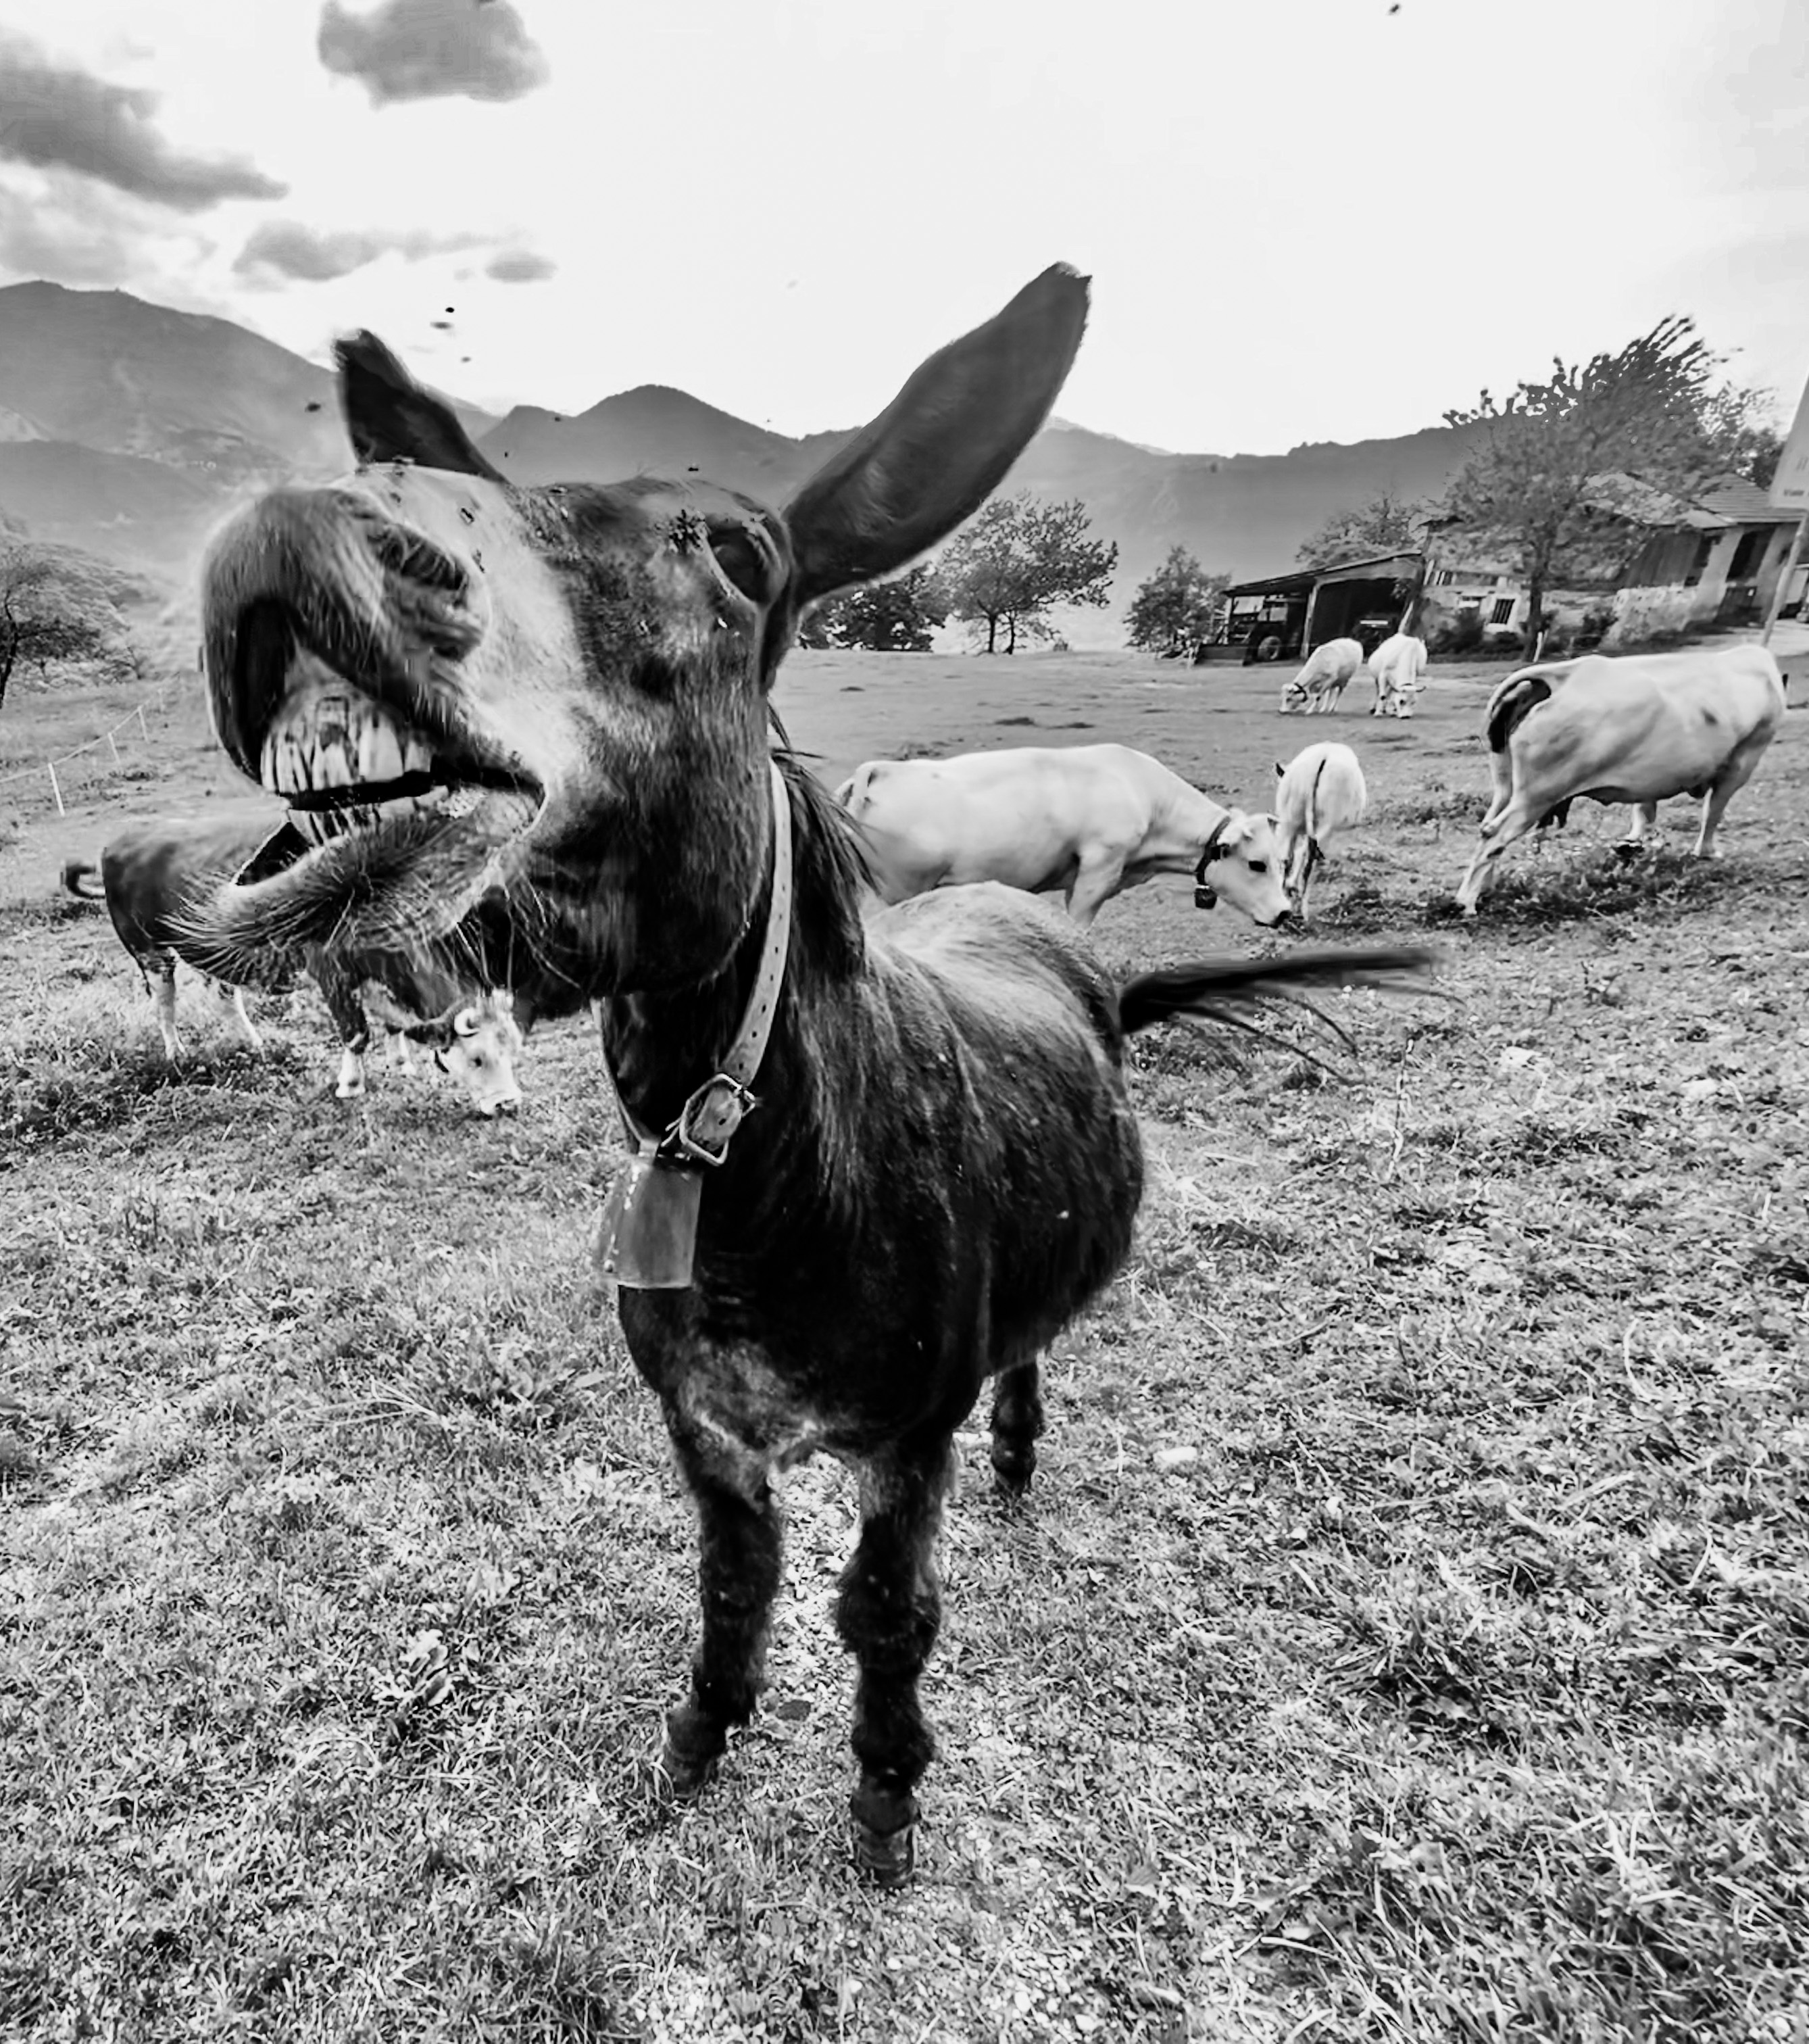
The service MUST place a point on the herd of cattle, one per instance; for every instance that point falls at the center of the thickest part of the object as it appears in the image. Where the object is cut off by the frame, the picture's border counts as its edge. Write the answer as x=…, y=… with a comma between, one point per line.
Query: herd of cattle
x=1085, y=821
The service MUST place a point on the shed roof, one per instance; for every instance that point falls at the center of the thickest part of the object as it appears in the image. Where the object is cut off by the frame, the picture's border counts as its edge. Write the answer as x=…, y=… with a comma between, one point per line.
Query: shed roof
x=1378, y=567
x=1744, y=504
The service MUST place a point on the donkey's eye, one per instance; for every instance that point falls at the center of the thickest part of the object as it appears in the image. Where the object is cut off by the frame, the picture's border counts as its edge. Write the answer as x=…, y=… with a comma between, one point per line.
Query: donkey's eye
x=746, y=556
x=1259, y=866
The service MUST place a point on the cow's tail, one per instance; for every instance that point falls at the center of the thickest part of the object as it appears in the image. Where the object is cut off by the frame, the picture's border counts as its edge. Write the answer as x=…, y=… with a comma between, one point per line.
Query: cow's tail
x=1312, y=803
x=75, y=871
x=1238, y=993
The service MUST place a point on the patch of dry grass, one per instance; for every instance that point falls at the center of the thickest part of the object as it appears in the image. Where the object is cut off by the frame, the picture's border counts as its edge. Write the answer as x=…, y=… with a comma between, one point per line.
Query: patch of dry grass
x=1404, y=1637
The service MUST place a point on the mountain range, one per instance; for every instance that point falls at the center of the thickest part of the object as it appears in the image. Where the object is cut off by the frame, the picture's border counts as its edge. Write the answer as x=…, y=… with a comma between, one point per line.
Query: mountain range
x=127, y=428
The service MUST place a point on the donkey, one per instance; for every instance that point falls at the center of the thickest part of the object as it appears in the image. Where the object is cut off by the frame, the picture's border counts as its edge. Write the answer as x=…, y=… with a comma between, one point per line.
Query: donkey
x=874, y=1164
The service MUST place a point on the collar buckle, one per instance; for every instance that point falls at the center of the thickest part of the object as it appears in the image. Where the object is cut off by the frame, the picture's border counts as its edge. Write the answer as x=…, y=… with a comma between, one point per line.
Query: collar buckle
x=707, y=1121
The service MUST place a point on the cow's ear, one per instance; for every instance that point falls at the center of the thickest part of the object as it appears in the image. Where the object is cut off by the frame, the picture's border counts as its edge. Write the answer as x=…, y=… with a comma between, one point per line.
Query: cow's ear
x=941, y=447
x=391, y=417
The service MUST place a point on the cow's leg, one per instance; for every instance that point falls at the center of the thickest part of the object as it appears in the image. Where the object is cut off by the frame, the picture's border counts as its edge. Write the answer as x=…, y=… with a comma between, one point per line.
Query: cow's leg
x=1017, y=1421
x=1732, y=779
x=165, y=995
x=1513, y=822
x=1644, y=822
x=234, y=997
x=399, y=1051
x=1309, y=859
x=1100, y=874
x=349, y=1019
x=737, y=1578
x=888, y=1614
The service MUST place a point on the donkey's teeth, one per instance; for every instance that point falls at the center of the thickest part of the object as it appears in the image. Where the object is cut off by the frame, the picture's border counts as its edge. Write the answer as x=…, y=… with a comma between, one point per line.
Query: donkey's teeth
x=328, y=734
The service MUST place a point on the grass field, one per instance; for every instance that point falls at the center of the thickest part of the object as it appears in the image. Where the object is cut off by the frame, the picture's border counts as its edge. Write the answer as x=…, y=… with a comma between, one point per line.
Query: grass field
x=1407, y=1635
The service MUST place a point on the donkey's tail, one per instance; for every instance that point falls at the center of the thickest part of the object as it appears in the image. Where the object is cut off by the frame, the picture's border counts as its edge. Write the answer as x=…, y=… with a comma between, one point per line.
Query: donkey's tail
x=77, y=870
x=1237, y=994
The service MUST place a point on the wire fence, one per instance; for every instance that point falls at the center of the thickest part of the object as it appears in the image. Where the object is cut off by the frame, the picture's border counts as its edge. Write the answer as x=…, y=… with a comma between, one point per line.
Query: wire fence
x=115, y=761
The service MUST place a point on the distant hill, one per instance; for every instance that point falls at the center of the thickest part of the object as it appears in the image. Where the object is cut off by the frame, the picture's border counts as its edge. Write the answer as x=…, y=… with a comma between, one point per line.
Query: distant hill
x=142, y=514
x=1243, y=515
x=128, y=429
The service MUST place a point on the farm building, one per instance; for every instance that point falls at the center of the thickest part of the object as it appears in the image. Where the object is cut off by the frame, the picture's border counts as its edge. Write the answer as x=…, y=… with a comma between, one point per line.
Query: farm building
x=1283, y=617
x=1712, y=559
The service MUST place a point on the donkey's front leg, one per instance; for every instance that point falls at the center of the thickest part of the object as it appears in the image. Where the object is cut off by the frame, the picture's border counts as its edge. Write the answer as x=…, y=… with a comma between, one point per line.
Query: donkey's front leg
x=888, y=1613
x=738, y=1576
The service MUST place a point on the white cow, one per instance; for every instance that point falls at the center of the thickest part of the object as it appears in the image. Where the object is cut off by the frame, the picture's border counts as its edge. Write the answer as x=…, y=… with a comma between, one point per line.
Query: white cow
x=1328, y=671
x=1396, y=667
x=1630, y=730
x=1088, y=820
x=1319, y=792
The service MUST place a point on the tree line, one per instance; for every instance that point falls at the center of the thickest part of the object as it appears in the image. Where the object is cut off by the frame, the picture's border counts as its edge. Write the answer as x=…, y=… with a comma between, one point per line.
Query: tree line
x=1001, y=575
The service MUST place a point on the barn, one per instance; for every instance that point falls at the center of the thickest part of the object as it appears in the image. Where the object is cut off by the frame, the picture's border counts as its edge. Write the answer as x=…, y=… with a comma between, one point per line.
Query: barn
x=1283, y=617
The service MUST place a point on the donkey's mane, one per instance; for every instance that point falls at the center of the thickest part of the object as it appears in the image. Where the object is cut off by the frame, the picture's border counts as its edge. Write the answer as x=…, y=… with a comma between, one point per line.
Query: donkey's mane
x=832, y=869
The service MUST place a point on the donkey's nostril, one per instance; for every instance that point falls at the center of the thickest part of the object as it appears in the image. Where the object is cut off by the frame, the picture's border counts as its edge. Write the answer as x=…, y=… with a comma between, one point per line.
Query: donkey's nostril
x=415, y=557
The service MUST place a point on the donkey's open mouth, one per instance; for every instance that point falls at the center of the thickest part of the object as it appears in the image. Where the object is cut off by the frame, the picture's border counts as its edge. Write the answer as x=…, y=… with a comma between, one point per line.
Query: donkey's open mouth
x=337, y=634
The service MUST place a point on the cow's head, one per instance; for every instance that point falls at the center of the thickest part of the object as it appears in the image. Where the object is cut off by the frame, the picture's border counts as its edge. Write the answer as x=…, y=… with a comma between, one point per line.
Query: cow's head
x=476, y=1040
x=555, y=697
x=1240, y=864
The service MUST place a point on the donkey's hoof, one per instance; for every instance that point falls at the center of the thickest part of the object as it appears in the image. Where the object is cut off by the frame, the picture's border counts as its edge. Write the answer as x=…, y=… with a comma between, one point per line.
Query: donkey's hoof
x=1012, y=1468
x=885, y=1829
x=887, y=1858
x=687, y=1762
x=675, y=1780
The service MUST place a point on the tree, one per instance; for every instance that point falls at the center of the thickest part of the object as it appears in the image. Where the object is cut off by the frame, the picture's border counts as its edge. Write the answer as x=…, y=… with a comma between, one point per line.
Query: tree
x=1385, y=524
x=1743, y=434
x=895, y=616
x=1559, y=465
x=39, y=621
x=1175, y=606
x=1018, y=557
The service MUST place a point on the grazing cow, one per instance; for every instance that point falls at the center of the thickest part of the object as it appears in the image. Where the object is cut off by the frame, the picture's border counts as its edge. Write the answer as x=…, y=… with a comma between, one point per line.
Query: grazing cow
x=150, y=871
x=1320, y=791
x=1327, y=673
x=877, y=1161
x=1396, y=667
x=1089, y=820
x=1636, y=729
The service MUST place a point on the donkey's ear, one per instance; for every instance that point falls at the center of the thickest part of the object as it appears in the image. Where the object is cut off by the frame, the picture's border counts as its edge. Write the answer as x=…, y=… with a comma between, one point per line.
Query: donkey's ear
x=941, y=447
x=390, y=417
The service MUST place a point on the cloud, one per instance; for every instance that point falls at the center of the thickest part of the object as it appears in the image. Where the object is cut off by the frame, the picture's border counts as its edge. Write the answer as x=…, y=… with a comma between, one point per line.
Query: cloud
x=69, y=245
x=315, y=255
x=520, y=266
x=54, y=116
x=432, y=49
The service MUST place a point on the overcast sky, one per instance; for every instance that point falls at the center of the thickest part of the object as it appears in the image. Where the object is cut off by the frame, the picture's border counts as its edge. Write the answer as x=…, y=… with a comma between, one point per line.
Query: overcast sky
x=1305, y=219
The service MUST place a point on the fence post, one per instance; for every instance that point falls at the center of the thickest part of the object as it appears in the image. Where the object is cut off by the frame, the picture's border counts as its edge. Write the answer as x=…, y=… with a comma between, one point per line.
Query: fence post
x=50, y=768
x=144, y=729
x=118, y=767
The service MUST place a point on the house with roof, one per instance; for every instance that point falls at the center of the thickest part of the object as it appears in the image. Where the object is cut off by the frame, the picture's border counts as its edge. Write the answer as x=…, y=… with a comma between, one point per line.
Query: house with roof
x=1711, y=560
